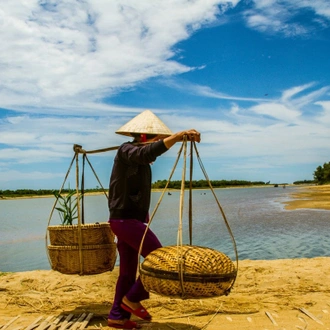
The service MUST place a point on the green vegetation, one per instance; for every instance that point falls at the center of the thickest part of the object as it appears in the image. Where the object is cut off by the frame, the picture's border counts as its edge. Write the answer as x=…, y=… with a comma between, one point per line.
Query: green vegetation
x=305, y=182
x=68, y=207
x=200, y=184
x=322, y=174
x=41, y=192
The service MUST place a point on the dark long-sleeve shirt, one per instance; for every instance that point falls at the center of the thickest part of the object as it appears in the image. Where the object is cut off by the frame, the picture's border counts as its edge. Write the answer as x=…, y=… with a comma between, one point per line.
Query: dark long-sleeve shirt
x=130, y=181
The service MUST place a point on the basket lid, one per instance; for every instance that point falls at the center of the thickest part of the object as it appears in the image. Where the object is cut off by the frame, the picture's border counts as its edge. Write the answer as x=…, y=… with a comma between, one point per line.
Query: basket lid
x=197, y=263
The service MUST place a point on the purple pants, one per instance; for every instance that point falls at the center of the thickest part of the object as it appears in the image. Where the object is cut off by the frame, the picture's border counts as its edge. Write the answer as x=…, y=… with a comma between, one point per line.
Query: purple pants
x=129, y=234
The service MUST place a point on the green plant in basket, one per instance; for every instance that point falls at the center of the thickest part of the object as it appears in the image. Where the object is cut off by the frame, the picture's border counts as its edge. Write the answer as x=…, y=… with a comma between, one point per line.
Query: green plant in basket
x=68, y=207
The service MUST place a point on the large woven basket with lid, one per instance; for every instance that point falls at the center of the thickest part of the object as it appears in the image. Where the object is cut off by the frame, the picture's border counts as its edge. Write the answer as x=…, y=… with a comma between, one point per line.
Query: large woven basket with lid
x=188, y=271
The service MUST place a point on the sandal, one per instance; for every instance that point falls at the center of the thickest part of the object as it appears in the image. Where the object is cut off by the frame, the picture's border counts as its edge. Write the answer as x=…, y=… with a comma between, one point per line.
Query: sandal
x=140, y=312
x=128, y=324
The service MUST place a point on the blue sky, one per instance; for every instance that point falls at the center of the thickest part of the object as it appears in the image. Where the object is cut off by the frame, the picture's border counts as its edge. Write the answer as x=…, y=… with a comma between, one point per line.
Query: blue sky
x=251, y=76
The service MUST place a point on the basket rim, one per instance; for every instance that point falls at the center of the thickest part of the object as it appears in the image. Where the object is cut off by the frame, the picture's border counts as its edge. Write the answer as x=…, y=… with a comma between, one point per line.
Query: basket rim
x=189, y=277
x=83, y=226
x=84, y=247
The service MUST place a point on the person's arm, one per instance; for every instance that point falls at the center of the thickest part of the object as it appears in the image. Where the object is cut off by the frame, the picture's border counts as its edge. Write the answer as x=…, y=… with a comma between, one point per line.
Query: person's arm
x=192, y=135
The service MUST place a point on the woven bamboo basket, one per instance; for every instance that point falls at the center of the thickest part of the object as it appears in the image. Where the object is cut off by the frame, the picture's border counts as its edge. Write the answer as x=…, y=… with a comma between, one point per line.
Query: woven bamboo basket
x=96, y=252
x=96, y=259
x=91, y=234
x=188, y=272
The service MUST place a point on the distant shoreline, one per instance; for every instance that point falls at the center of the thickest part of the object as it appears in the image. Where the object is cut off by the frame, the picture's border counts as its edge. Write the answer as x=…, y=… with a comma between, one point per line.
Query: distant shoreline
x=308, y=196
x=153, y=190
x=45, y=196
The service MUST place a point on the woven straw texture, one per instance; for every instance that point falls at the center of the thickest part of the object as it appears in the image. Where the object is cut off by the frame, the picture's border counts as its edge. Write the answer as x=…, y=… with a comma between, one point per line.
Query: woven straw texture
x=145, y=123
x=96, y=254
x=96, y=259
x=187, y=272
x=91, y=234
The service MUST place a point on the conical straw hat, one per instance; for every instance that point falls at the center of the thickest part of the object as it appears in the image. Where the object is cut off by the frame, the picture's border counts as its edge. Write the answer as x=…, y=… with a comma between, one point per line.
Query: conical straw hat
x=145, y=123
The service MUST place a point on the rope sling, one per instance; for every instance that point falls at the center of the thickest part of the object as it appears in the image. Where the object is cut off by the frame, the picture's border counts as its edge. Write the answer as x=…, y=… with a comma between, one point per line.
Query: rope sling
x=176, y=270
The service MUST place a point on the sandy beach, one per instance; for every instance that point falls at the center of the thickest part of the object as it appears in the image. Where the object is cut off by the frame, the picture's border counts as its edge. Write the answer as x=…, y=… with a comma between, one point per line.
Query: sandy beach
x=310, y=197
x=274, y=294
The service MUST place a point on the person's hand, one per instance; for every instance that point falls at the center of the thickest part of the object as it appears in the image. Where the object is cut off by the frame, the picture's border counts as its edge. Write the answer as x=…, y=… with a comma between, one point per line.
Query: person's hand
x=192, y=135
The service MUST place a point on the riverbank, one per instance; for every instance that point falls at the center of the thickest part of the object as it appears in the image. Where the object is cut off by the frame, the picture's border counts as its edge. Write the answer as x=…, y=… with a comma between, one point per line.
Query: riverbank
x=273, y=294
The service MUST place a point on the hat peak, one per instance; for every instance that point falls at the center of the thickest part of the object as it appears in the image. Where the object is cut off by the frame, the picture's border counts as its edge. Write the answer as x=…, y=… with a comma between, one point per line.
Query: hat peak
x=145, y=122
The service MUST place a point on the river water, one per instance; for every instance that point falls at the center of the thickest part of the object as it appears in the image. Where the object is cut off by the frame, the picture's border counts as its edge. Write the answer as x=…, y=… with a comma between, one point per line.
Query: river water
x=262, y=228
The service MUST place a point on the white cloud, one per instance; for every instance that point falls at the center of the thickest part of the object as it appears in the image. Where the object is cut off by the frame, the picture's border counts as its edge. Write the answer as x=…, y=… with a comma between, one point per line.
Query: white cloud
x=324, y=117
x=273, y=16
x=281, y=131
x=244, y=134
x=320, y=7
x=82, y=50
x=41, y=139
x=202, y=90
x=17, y=175
x=291, y=92
x=21, y=156
x=278, y=111
x=308, y=98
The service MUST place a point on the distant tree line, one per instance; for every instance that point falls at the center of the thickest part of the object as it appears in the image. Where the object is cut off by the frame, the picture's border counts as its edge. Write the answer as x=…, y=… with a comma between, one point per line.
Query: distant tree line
x=322, y=174
x=160, y=184
x=305, y=182
x=39, y=192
